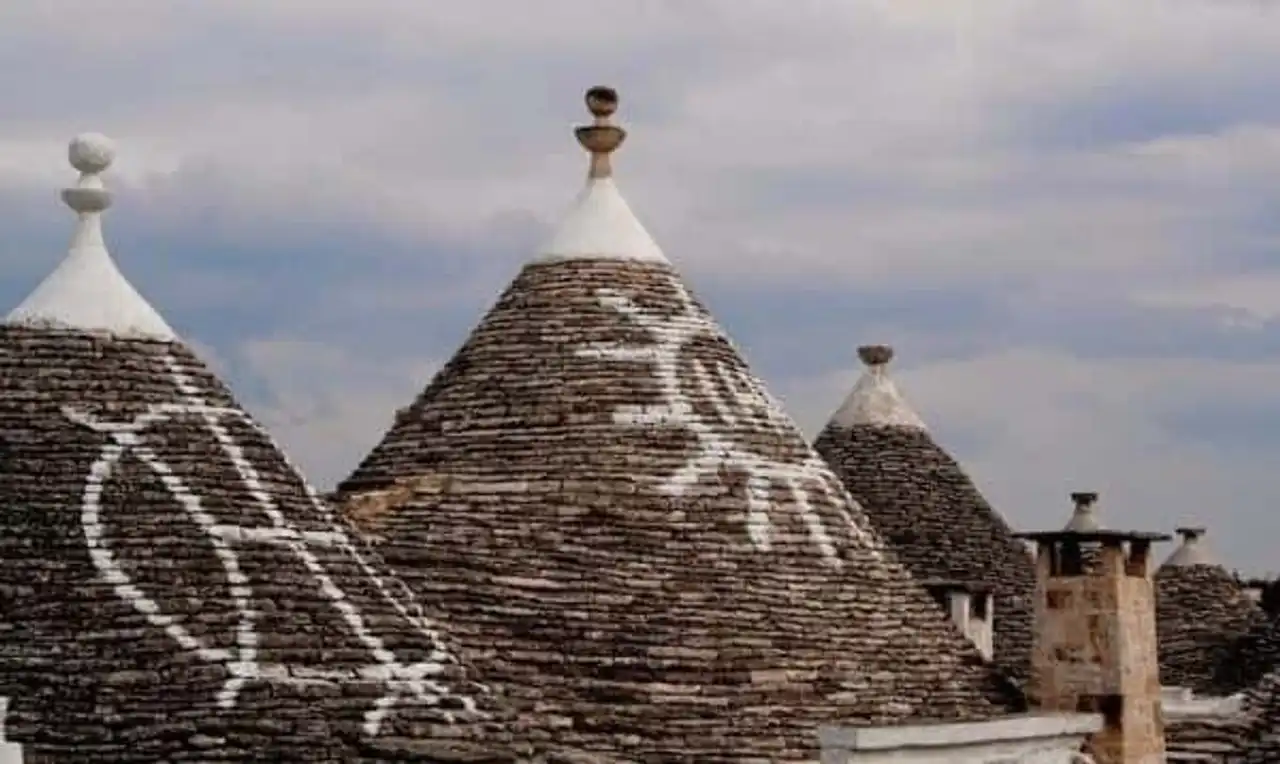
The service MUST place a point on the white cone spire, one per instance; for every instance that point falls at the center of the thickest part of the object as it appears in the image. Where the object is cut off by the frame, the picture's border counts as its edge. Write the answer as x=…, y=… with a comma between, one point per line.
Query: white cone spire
x=601, y=225
x=875, y=400
x=87, y=291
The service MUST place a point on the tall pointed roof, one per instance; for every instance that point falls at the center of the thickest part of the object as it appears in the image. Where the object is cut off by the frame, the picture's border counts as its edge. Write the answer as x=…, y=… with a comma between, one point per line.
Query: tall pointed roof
x=634, y=531
x=919, y=498
x=1200, y=611
x=173, y=588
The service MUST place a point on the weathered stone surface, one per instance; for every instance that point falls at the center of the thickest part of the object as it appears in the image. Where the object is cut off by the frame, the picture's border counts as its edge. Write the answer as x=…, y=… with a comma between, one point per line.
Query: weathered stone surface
x=156, y=545
x=1201, y=613
x=630, y=536
x=921, y=501
x=1096, y=640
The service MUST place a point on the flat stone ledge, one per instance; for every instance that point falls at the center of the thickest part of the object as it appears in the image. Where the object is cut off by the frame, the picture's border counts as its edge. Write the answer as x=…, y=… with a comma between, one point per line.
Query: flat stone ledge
x=1039, y=738
x=1180, y=704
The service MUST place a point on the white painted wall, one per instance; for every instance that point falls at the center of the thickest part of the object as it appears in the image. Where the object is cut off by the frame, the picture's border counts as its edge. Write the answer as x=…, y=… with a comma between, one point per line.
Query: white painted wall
x=1030, y=739
x=10, y=753
x=975, y=615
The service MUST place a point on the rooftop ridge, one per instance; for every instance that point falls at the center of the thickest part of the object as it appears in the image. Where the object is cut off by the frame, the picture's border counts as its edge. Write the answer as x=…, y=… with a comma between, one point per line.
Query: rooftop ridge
x=87, y=291
x=600, y=224
x=875, y=400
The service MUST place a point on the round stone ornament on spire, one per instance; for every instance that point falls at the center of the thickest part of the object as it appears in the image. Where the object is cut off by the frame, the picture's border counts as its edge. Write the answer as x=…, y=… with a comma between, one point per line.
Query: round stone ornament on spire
x=87, y=291
x=601, y=138
x=600, y=225
x=163, y=566
x=925, y=505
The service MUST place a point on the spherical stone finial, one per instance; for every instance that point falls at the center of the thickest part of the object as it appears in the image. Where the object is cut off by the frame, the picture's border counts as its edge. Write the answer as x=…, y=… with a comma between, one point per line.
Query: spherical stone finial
x=602, y=101
x=875, y=355
x=91, y=153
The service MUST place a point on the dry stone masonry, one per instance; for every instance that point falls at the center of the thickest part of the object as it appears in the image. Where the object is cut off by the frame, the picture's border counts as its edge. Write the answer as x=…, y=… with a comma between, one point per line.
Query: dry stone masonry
x=921, y=501
x=173, y=590
x=1201, y=613
x=627, y=531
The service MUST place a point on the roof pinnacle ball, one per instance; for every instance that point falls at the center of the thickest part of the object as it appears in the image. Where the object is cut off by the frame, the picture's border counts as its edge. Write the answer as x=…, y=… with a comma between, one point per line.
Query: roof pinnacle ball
x=601, y=137
x=91, y=154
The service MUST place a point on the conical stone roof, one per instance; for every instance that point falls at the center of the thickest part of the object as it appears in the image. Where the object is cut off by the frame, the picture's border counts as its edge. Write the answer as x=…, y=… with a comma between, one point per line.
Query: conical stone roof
x=631, y=532
x=1200, y=611
x=172, y=588
x=1259, y=737
x=921, y=501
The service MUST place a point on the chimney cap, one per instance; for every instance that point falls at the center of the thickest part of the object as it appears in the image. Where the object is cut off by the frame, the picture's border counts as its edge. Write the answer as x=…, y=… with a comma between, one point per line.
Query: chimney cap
x=1101, y=536
x=1083, y=520
x=1084, y=527
x=875, y=355
x=1191, y=531
x=1084, y=498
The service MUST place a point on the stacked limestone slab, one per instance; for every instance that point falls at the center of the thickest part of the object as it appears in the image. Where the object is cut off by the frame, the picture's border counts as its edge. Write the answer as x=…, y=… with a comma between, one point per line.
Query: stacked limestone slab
x=1201, y=615
x=630, y=533
x=918, y=497
x=172, y=588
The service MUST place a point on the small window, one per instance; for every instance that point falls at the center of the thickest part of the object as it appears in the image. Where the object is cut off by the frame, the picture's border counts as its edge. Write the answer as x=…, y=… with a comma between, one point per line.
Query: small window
x=1137, y=564
x=1057, y=600
x=1110, y=706
x=1112, y=709
x=1066, y=559
x=979, y=605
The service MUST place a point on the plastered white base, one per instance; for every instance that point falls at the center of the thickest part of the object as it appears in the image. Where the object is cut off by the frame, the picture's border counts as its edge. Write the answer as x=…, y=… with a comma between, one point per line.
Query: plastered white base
x=87, y=291
x=601, y=225
x=875, y=401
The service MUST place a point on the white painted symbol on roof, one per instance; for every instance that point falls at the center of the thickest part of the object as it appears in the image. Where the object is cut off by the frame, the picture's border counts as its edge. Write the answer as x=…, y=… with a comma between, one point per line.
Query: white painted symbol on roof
x=739, y=400
x=413, y=683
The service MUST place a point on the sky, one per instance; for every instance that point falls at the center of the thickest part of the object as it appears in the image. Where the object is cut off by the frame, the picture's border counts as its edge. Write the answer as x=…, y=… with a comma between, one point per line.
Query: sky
x=1063, y=216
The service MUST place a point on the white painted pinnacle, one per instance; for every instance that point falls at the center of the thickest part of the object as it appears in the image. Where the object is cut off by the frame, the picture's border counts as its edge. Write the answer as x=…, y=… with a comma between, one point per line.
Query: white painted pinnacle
x=1191, y=552
x=1083, y=519
x=875, y=400
x=87, y=291
x=601, y=225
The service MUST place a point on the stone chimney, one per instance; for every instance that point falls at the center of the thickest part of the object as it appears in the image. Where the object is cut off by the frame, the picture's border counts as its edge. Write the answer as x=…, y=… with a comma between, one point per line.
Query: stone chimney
x=972, y=609
x=1094, y=643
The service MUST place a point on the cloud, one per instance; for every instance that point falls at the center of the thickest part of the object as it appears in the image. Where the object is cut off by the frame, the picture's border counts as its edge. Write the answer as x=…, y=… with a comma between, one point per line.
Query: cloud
x=1060, y=213
x=1031, y=426
x=326, y=404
